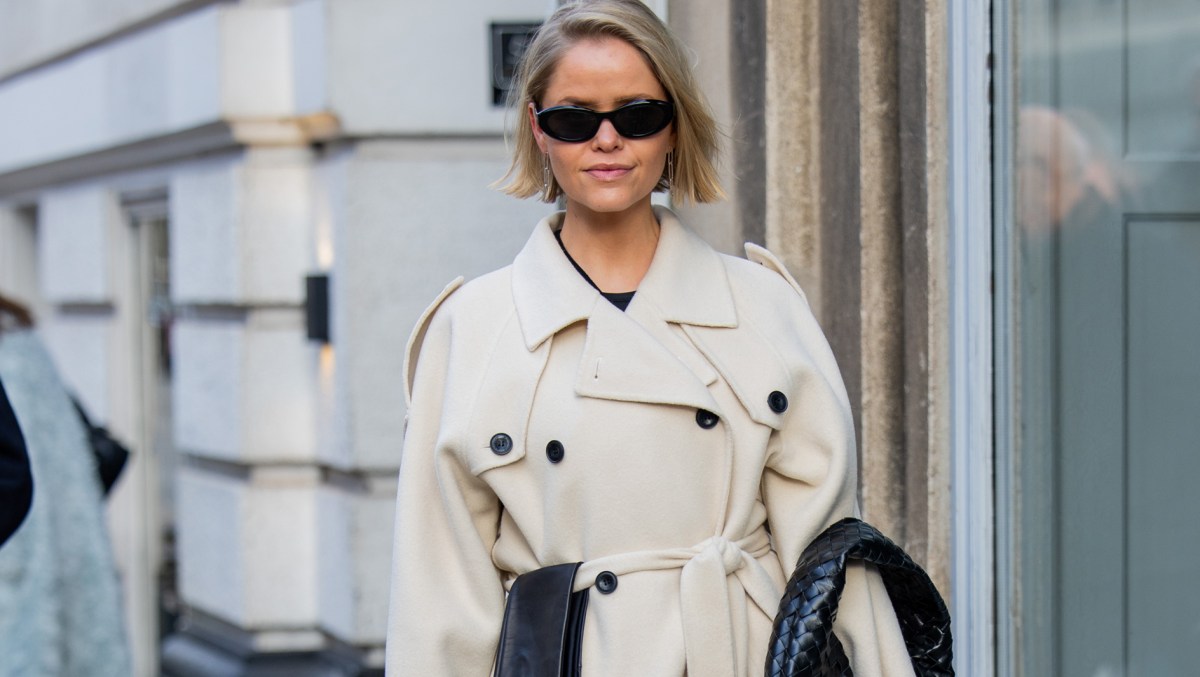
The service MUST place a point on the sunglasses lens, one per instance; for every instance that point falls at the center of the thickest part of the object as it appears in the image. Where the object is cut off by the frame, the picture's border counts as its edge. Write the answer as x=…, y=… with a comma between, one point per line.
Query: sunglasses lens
x=569, y=124
x=642, y=119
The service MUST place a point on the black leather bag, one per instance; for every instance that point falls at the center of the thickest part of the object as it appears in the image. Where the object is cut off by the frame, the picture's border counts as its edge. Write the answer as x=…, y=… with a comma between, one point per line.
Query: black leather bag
x=542, y=632
x=110, y=454
x=803, y=643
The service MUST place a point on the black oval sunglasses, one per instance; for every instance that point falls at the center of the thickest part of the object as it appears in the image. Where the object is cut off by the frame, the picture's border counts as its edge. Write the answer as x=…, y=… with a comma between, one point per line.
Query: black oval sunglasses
x=634, y=120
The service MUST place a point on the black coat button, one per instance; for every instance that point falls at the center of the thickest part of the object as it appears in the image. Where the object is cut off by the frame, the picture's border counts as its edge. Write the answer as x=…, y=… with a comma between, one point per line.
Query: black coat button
x=501, y=444
x=555, y=451
x=606, y=582
x=777, y=401
x=706, y=419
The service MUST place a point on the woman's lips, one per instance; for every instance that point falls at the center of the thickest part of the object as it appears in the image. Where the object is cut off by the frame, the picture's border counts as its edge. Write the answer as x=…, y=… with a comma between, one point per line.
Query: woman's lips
x=607, y=172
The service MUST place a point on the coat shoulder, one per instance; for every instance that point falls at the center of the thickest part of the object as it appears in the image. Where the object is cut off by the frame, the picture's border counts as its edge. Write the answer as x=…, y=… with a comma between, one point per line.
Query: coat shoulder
x=763, y=279
x=488, y=294
x=481, y=302
x=768, y=299
x=765, y=258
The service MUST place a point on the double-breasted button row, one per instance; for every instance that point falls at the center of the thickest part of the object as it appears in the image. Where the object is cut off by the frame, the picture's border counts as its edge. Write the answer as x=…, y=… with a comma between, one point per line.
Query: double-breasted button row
x=502, y=443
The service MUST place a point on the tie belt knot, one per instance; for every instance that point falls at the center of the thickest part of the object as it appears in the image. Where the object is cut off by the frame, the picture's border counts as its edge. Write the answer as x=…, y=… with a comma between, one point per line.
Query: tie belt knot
x=729, y=553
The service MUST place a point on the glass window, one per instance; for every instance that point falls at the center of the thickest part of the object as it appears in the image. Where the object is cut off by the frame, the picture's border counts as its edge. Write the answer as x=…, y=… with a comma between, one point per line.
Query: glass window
x=1103, y=325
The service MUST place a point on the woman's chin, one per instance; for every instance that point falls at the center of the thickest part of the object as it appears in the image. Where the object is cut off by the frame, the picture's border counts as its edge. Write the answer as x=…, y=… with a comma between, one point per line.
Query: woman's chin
x=616, y=202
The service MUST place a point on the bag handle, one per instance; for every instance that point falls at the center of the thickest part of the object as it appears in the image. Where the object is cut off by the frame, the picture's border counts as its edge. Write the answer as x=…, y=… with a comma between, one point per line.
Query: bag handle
x=802, y=641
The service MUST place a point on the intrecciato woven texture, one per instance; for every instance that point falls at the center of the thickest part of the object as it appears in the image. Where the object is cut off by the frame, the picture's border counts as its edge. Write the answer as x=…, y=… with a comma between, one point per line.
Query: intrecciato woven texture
x=803, y=643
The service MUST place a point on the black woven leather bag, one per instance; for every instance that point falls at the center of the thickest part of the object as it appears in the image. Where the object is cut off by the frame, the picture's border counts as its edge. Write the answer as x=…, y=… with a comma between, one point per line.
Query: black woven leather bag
x=803, y=643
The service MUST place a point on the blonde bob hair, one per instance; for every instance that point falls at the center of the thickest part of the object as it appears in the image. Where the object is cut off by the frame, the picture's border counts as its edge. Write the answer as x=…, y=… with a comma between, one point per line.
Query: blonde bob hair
x=695, y=154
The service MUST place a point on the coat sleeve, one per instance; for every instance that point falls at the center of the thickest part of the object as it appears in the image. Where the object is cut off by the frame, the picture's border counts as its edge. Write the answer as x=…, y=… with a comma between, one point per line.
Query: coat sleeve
x=810, y=482
x=447, y=598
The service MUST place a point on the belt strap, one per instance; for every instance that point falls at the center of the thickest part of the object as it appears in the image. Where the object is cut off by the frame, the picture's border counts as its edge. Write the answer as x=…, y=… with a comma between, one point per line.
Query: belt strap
x=703, y=592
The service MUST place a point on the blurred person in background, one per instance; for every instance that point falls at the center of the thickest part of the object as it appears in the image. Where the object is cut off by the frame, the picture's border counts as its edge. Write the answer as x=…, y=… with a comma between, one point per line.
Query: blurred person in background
x=1052, y=159
x=1068, y=174
x=60, y=612
x=657, y=429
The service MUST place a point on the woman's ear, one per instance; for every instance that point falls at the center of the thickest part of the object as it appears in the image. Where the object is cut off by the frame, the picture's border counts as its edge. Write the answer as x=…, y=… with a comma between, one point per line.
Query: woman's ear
x=538, y=135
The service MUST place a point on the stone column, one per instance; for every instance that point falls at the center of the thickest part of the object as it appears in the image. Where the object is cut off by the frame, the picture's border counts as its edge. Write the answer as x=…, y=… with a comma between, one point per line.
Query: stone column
x=856, y=204
x=246, y=384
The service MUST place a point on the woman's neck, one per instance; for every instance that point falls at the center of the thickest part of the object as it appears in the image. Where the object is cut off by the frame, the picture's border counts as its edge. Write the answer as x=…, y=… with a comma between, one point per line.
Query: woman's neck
x=614, y=249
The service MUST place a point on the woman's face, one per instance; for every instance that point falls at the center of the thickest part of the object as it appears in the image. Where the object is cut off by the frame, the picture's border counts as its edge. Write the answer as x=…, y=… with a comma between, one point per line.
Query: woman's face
x=607, y=174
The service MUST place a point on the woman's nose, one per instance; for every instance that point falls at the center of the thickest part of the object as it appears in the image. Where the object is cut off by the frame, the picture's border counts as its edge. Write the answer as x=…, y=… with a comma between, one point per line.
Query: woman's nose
x=607, y=137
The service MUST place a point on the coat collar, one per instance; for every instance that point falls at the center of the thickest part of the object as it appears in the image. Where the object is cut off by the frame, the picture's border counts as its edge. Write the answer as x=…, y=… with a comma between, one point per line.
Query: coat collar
x=686, y=283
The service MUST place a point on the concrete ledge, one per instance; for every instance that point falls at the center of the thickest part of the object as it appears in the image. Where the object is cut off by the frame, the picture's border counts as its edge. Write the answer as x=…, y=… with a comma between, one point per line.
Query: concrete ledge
x=206, y=647
x=208, y=138
x=222, y=62
x=37, y=34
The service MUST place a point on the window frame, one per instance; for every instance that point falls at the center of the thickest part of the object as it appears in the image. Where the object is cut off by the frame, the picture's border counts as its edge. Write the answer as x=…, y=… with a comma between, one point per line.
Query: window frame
x=972, y=405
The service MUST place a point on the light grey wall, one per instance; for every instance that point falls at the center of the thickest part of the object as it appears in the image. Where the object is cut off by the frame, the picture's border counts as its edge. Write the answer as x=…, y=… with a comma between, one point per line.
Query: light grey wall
x=32, y=32
x=417, y=67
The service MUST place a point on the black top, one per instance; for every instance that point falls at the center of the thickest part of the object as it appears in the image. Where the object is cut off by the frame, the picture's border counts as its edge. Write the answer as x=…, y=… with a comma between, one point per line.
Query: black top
x=619, y=299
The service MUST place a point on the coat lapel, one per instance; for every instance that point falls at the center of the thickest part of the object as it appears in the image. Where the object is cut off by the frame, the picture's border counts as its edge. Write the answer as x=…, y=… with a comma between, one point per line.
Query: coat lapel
x=548, y=292
x=751, y=366
x=631, y=356
x=687, y=282
x=623, y=361
x=690, y=283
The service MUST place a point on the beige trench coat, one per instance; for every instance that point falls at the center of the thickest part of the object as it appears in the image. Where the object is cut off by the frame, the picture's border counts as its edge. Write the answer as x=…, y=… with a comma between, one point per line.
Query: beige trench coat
x=677, y=468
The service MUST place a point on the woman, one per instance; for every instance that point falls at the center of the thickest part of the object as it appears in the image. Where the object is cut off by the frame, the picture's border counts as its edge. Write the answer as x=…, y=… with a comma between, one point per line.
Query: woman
x=621, y=396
